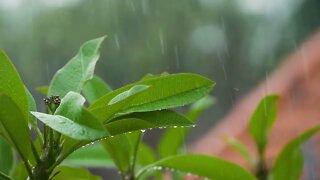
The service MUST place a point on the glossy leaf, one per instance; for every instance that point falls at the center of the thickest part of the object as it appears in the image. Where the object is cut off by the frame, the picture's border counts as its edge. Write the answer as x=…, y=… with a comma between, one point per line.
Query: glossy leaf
x=12, y=85
x=289, y=163
x=71, y=106
x=6, y=156
x=11, y=120
x=86, y=129
x=43, y=90
x=95, y=88
x=124, y=95
x=170, y=146
x=118, y=148
x=262, y=121
x=165, y=92
x=201, y=165
x=147, y=120
x=90, y=156
x=73, y=173
x=77, y=71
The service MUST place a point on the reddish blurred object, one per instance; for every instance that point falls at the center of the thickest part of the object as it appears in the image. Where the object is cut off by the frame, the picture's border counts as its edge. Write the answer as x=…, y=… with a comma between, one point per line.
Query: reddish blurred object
x=297, y=81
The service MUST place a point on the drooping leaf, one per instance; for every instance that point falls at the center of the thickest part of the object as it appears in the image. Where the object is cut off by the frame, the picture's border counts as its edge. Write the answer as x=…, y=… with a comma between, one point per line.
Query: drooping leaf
x=118, y=148
x=95, y=88
x=73, y=173
x=13, y=125
x=169, y=146
x=32, y=107
x=90, y=156
x=262, y=121
x=241, y=149
x=84, y=129
x=165, y=92
x=43, y=90
x=12, y=85
x=6, y=156
x=77, y=71
x=289, y=163
x=147, y=120
x=201, y=165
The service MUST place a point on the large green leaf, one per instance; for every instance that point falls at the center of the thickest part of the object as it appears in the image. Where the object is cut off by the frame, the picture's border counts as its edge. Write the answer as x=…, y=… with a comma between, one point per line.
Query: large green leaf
x=201, y=165
x=289, y=163
x=73, y=173
x=95, y=88
x=118, y=148
x=12, y=85
x=170, y=146
x=84, y=129
x=14, y=126
x=6, y=156
x=90, y=156
x=262, y=121
x=146, y=120
x=165, y=92
x=77, y=71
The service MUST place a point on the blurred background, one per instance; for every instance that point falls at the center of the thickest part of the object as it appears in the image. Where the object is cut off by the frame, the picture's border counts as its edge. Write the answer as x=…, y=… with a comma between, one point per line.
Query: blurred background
x=237, y=43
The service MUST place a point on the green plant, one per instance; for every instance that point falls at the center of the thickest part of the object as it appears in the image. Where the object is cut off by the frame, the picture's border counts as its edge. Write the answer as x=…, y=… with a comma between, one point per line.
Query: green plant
x=117, y=119
x=289, y=162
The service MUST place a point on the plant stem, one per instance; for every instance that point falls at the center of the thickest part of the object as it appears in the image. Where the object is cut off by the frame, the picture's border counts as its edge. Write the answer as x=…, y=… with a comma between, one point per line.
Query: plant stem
x=262, y=170
x=5, y=177
x=135, y=155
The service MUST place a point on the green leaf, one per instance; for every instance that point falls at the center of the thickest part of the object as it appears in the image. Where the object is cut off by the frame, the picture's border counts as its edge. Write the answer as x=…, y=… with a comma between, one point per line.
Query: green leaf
x=12, y=85
x=73, y=173
x=165, y=92
x=95, y=88
x=147, y=120
x=86, y=129
x=6, y=156
x=262, y=121
x=90, y=156
x=118, y=148
x=20, y=171
x=241, y=149
x=71, y=106
x=43, y=90
x=146, y=155
x=124, y=95
x=169, y=146
x=201, y=165
x=14, y=126
x=32, y=107
x=77, y=71
x=289, y=163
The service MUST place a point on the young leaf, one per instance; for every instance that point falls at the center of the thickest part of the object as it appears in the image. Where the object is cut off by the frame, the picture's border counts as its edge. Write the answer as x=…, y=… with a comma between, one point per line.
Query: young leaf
x=147, y=120
x=90, y=156
x=118, y=148
x=146, y=155
x=12, y=85
x=201, y=165
x=118, y=102
x=77, y=71
x=262, y=121
x=289, y=163
x=240, y=148
x=11, y=121
x=73, y=173
x=165, y=92
x=43, y=90
x=6, y=156
x=170, y=146
x=85, y=129
x=95, y=88
x=71, y=106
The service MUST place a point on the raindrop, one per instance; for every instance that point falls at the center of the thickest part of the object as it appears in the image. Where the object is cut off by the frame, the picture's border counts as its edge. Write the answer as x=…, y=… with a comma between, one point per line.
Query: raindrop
x=161, y=42
x=143, y=130
x=176, y=53
x=116, y=39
